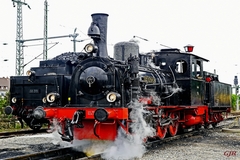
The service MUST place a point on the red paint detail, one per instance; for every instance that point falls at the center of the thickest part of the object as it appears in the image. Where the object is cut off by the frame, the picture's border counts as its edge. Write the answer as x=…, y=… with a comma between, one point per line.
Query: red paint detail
x=50, y=112
x=193, y=120
x=105, y=131
x=14, y=108
x=125, y=128
x=200, y=110
x=145, y=100
x=208, y=79
x=189, y=48
x=196, y=116
x=67, y=112
x=216, y=117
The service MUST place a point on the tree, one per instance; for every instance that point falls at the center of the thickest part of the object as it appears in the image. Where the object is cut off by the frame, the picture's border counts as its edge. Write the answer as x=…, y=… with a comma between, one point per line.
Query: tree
x=7, y=98
x=4, y=101
x=234, y=101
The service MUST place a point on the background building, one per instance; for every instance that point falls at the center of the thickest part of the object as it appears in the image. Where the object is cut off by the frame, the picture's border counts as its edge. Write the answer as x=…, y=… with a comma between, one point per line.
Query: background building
x=4, y=86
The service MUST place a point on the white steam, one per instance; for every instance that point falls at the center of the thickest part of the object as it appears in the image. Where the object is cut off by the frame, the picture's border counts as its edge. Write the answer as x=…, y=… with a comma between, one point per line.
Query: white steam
x=129, y=146
x=89, y=147
x=177, y=89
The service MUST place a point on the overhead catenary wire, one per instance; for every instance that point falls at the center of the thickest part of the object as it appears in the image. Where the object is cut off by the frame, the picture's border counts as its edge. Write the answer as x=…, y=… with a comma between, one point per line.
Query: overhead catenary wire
x=40, y=54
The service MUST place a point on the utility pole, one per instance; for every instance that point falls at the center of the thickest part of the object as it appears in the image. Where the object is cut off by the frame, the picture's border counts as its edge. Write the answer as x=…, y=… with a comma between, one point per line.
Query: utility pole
x=19, y=37
x=74, y=39
x=45, y=32
x=236, y=90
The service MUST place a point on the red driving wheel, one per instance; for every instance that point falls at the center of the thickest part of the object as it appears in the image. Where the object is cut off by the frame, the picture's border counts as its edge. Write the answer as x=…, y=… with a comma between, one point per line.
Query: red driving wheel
x=161, y=132
x=173, y=127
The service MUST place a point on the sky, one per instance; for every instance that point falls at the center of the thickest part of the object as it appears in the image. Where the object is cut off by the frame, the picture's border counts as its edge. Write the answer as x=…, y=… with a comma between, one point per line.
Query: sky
x=211, y=26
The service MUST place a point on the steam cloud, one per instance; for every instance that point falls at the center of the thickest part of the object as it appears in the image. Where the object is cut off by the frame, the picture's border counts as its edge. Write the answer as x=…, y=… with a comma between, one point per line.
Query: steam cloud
x=129, y=146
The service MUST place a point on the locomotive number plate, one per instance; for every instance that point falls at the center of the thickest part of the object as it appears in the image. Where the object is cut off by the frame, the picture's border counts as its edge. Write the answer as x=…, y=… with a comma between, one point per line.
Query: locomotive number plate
x=34, y=91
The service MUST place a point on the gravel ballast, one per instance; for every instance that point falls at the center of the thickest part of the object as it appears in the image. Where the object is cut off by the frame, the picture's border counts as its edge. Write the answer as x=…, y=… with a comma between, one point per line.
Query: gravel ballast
x=211, y=145
x=15, y=146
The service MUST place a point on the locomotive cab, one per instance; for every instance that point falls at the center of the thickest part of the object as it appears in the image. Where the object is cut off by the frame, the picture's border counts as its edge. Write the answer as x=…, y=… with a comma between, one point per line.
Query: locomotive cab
x=199, y=87
x=188, y=71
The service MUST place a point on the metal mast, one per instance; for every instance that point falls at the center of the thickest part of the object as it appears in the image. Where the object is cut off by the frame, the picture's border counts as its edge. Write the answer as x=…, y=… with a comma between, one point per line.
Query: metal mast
x=74, y=39
x=45, y=32
x=19, y=37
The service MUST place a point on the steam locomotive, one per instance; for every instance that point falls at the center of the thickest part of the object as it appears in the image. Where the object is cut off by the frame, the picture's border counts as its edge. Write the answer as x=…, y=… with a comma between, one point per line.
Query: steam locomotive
x=91, y=95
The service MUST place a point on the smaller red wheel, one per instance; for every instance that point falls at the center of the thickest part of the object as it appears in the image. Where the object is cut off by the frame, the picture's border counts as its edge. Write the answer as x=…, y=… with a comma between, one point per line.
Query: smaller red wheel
x=161, y=132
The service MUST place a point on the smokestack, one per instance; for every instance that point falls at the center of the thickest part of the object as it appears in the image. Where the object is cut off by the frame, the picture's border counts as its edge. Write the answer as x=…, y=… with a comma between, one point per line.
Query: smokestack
x=98, y=32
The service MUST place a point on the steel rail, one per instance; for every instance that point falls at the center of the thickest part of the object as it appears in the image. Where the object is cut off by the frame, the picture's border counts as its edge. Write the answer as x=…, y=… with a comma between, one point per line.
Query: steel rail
x=20, y=133
x=56, y=154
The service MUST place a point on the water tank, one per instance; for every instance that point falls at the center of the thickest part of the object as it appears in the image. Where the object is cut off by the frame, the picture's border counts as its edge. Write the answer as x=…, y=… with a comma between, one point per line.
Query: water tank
x=122, y=50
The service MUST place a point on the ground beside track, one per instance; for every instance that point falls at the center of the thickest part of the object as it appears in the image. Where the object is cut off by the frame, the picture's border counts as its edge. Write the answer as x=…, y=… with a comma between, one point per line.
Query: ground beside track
x=213, y=144
x=15, y=146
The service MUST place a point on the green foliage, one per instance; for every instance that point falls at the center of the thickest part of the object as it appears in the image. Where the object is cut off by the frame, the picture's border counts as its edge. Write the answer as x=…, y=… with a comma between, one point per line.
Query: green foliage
x=2, y=104
x=4, y=101
x=6, y=121
x=7, y=98
x=234, y=101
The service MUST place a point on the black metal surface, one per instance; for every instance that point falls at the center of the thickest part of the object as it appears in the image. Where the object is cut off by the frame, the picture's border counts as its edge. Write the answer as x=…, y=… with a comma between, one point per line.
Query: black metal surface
x=220, y=94
x=100, y=19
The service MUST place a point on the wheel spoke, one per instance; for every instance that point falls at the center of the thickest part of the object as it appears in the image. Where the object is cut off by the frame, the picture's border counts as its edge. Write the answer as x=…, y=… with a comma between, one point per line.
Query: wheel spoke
x=161, y=130
x=173, y=127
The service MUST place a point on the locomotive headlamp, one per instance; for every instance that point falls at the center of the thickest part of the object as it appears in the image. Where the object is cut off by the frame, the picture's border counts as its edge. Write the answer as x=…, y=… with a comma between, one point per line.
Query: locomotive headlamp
x=44, y=100
x=14, y=100
x=51, y=97
x=112, y=96
x=30, y=73
x=90, y=48
x=188, y=48
x=101, y=115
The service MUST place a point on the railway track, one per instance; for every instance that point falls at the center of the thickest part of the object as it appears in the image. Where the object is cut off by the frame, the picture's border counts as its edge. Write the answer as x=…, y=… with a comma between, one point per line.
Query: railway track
x=21, y=133
x=57, y=154
x=70, y=154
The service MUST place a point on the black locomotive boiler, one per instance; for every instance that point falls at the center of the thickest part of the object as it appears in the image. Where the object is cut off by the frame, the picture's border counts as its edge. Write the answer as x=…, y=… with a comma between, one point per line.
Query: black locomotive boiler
x=91, y=95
